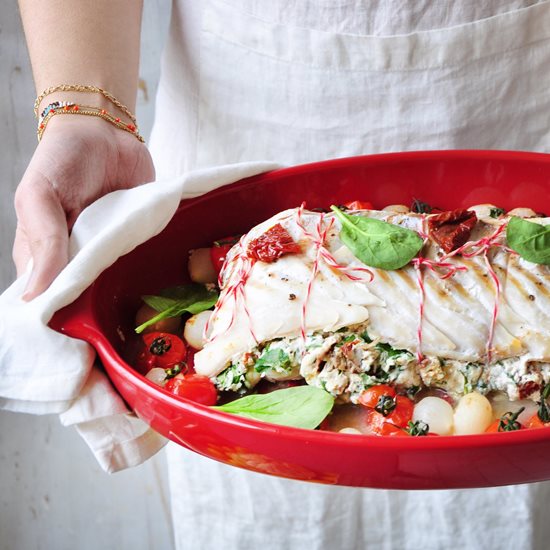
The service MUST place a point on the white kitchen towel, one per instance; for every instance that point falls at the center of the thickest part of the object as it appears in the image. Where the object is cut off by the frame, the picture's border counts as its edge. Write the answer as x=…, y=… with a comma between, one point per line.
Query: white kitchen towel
x=42, y=371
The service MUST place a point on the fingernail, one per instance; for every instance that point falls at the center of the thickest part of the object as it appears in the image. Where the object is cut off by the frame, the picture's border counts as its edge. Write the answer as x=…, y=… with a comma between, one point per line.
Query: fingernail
x=30, y=291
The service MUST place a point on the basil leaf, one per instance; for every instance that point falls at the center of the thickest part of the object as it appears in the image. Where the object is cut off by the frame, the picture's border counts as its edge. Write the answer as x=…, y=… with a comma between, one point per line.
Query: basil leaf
x=299, y=407
x=377, y=243
x=175, y=301
x=273, y=359
x=530, y=240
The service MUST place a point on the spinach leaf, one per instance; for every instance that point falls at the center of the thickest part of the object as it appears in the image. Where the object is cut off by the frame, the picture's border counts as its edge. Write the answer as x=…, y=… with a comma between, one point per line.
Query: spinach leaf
x=273, y=359
x=377, y=243
x=299, y=407
x=175, y=301
x=530, y=240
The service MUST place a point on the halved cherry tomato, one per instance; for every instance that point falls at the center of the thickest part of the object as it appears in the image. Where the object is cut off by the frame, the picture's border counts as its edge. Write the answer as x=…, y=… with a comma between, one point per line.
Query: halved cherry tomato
x=359, y=205
x=194, y=387
x=371, y=397
x=161, y=350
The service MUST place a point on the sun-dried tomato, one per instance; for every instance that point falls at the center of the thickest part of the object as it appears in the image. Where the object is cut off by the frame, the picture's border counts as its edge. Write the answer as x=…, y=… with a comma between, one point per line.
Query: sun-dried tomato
x=452, y=229
x=273, y=244
x=525, y=390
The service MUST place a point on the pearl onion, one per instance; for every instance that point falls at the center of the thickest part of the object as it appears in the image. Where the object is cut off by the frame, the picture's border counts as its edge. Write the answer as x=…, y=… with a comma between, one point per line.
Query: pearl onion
x=194, y=329
x=435, y=412
x=473, y=414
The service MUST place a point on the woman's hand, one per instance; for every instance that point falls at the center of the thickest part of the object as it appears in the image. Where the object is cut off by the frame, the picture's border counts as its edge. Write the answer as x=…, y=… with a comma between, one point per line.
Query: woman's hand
x=79, y=160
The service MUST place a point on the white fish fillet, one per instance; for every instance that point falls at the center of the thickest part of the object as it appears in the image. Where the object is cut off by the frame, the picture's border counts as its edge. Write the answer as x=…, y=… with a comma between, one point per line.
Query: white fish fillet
x=458, y=311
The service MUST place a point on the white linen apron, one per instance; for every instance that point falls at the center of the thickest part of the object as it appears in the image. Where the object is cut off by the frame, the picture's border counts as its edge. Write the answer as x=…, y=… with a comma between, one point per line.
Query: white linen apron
x=298, y=81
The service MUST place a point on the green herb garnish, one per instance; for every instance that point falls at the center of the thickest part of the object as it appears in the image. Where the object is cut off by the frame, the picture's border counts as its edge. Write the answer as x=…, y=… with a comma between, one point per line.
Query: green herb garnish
x=377, y=243
x=275, y=359
x=299, y=407
x=421, y=207
x=417, y=428
x=496, y=212
x=509, y=421
x=530, y=240
x=174, y=370
x=386, y=404
x=175, y=301
x=365, y=336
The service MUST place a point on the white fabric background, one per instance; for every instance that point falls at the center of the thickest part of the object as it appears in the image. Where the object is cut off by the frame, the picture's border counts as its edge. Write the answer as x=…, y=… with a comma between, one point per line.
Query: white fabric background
x=298, y=81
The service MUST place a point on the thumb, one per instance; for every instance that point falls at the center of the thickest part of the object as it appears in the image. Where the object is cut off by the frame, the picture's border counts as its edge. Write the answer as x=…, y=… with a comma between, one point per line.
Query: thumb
x=42, y=234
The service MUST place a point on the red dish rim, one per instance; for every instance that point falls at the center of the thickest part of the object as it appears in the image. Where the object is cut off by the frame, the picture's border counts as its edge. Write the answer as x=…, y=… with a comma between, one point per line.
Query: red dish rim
x=87, y=329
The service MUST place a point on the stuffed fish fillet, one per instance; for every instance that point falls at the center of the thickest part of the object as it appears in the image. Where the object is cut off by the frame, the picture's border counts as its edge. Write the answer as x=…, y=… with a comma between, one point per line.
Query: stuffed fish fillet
x=474, y=318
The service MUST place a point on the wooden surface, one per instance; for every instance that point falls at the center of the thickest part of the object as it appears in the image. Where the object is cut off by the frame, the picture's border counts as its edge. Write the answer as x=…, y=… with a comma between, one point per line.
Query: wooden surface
x=52, y=493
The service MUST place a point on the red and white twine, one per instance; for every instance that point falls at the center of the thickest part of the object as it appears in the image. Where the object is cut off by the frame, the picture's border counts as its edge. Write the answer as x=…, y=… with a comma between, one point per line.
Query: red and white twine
x=243, y=264
x=444, y=270
x=482, y=247
x=318, y=237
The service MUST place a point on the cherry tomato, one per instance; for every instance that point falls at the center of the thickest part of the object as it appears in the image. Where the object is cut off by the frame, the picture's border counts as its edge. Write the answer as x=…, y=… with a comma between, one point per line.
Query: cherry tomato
x=219, y=251
x=359, y=205
x=493, y=427
x=403, y=412
x=535, y=422
x=378, y=424
x=390, y=429
x=194, y=387
x=161, y=350
x=508, y=422
x=371, y=397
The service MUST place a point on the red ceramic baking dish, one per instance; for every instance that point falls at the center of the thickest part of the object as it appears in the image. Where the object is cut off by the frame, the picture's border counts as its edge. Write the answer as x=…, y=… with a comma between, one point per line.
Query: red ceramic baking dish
x=104, y=317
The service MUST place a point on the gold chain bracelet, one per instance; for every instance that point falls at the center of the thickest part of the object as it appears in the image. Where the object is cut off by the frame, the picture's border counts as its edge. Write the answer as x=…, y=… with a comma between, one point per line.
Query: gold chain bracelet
x=86, y=111
x=85, y=89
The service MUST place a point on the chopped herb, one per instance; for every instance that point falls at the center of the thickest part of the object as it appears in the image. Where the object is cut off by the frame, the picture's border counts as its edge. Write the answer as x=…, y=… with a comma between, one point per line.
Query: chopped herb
x=275, y=359
x=417, y=428
x=365, y=336
x=389, y=351
x=349, y=338
x=232, y=378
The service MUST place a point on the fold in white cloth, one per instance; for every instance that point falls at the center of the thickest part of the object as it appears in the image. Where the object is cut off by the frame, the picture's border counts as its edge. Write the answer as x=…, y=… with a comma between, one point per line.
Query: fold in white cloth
x=42, y=371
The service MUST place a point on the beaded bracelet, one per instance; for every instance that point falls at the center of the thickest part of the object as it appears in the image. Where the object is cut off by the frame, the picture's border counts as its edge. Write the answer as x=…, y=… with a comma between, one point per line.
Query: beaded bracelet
x=53, y=106
x=74, y=109
x=85, y=89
